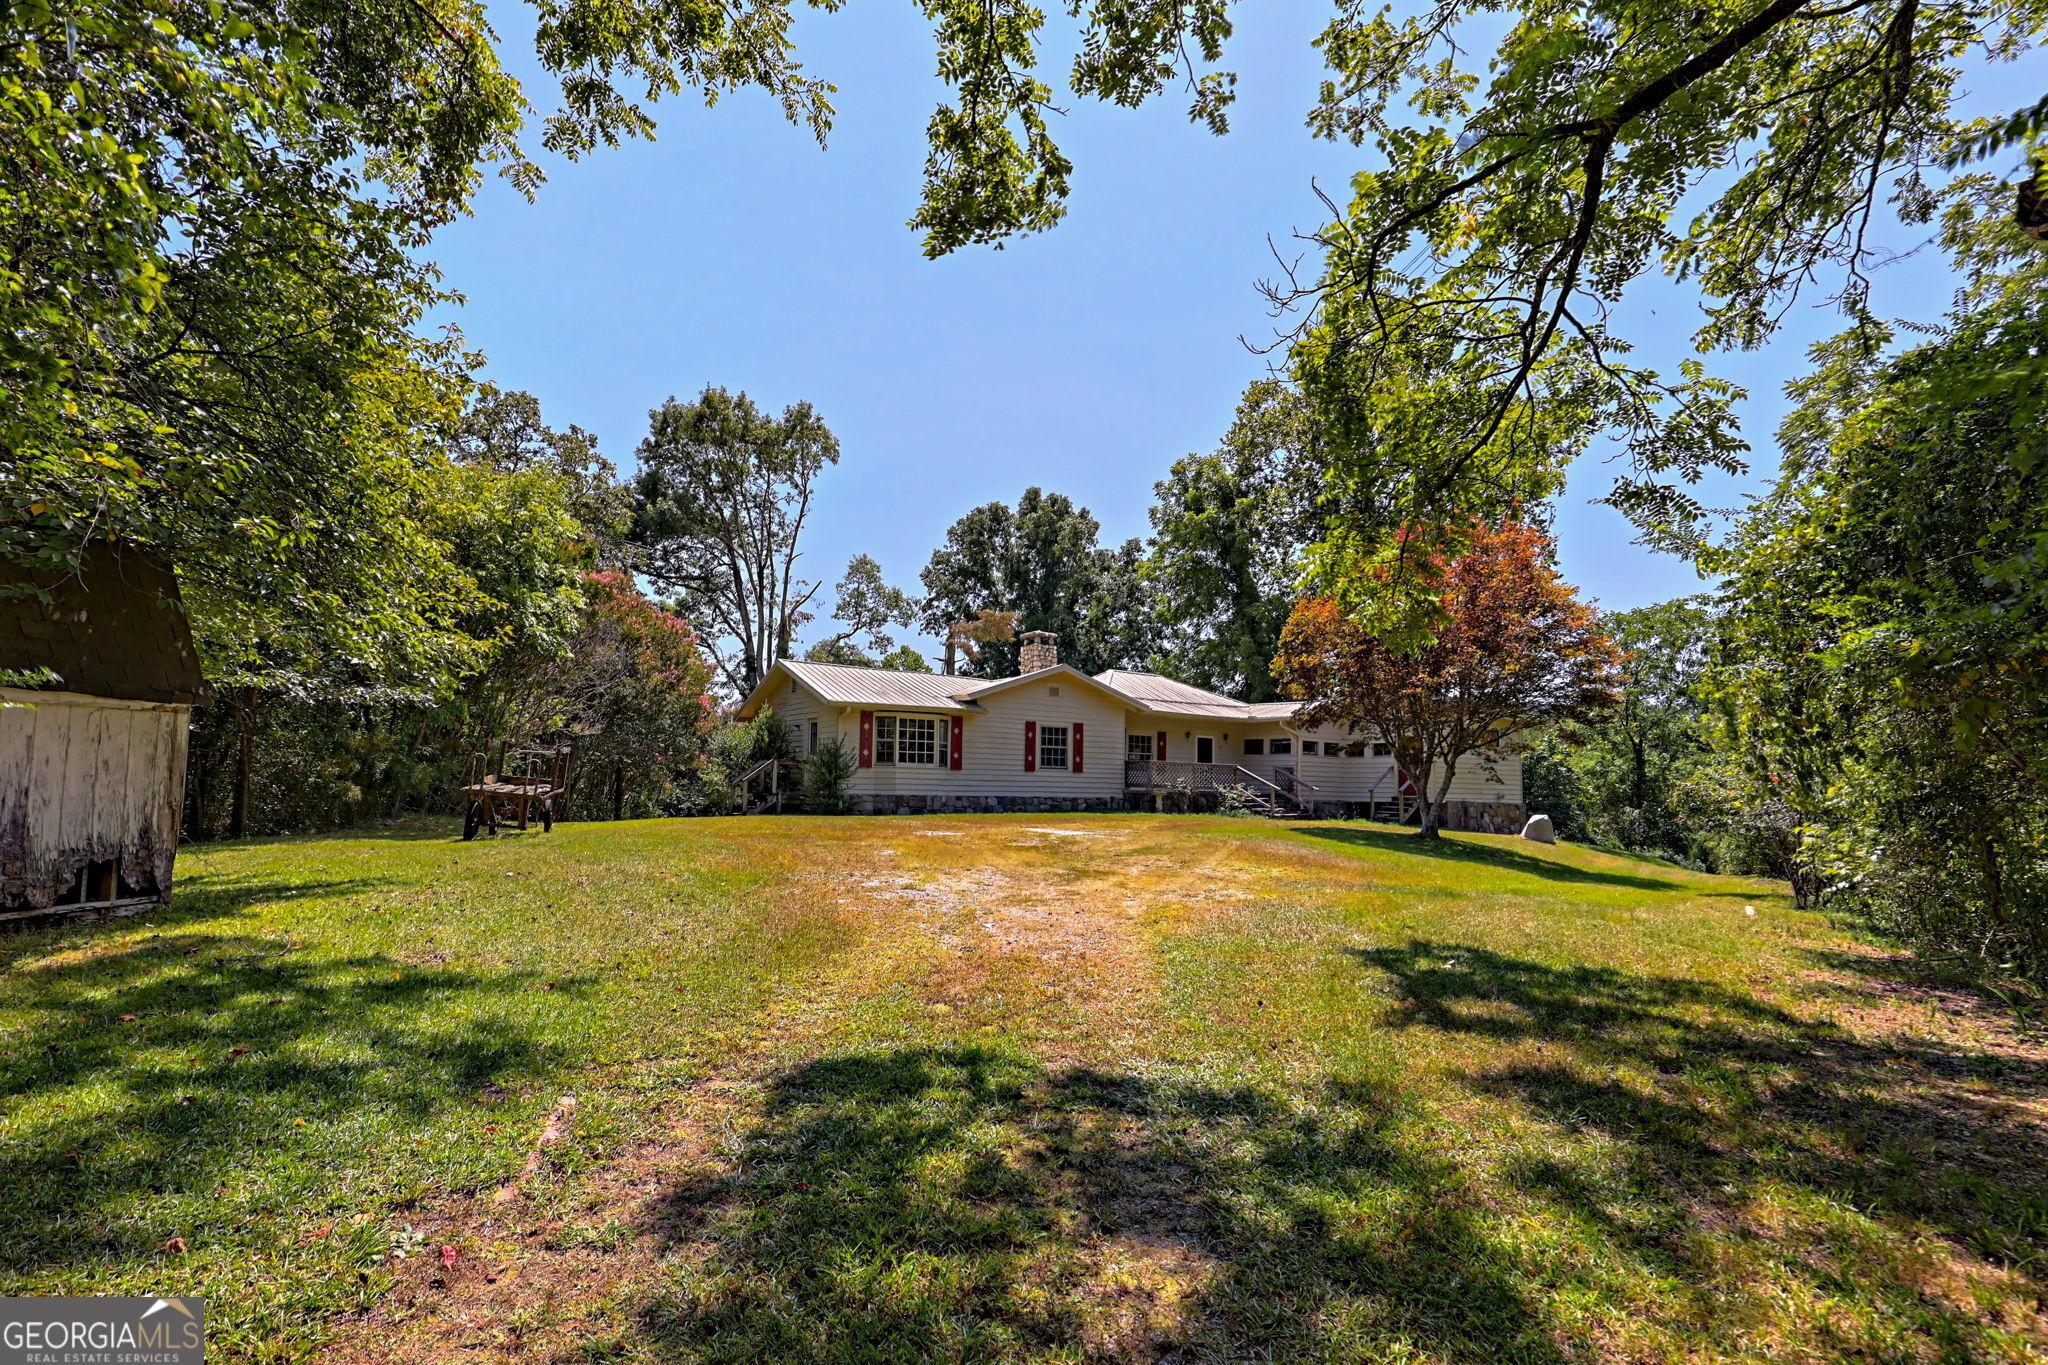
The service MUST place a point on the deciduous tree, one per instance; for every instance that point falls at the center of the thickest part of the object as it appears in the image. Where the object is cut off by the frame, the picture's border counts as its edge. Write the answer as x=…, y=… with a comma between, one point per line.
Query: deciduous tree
x=721, y=500
x=1515, y=649
x=1229, y=532
x=1459, y=333
x=866, y=608
x=1042, y=561
x=1885, y=654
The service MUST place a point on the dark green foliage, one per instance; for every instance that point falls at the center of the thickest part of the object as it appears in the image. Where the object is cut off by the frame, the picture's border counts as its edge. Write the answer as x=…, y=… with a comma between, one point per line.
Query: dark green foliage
x=1624, y=782
x=1887, y=627
x=1535, y=163
x=1042, y=560
x=867, y=609
x=1230, y=531
x=827, y=774
x=1551, y=786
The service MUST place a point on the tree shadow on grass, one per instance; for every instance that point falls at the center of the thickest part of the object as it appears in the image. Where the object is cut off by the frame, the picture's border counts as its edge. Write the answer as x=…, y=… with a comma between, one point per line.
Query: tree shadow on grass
x=194, y=900
x=1716, y=1102
x=1482, y=855
x=159, y=1072
x=963, y=1204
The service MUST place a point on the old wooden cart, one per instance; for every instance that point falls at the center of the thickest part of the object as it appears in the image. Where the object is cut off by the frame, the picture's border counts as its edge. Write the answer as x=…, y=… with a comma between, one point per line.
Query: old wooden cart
x=510, y=783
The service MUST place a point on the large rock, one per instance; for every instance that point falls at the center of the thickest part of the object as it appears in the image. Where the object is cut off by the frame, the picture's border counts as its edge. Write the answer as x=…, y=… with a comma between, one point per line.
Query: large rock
x=1539, y=829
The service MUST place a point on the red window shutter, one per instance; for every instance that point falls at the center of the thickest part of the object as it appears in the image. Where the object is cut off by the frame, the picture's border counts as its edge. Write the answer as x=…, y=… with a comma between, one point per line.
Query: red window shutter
x=959, y=739
x=1030, y=746
x=1161, y=755
x=867, y=739
x=1077, y=746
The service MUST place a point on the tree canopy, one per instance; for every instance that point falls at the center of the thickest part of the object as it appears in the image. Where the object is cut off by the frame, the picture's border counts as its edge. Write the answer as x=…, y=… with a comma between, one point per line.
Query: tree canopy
x=1230, y=533
x=1041, y=560
x=721, y=500
x=1459, y=333
x=1516, y=650
x=1884, y=659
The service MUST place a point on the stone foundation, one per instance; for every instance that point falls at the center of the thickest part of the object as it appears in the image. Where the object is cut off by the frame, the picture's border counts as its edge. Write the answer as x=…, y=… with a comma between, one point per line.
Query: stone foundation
x=981, y=805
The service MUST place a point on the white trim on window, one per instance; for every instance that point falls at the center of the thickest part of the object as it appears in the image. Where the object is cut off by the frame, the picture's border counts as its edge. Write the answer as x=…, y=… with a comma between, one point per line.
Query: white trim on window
x=1053, y=749
x=910, y=741
x=1138, y=748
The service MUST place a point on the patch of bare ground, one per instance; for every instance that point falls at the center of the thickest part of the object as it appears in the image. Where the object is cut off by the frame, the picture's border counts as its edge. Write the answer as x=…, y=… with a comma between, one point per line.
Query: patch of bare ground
x=533, y=1272
x=1883, y=992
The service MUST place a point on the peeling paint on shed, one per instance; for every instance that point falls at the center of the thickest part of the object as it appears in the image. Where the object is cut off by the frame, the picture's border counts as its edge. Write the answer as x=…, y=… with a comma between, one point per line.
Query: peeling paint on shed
x=92, y=767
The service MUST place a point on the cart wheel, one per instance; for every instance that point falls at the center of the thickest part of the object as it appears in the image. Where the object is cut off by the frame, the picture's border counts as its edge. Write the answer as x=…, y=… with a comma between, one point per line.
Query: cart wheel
x=472, y=819
x=547, y=816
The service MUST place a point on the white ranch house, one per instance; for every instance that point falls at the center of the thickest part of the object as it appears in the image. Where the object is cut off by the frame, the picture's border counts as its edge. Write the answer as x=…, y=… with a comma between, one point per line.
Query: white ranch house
x=1054, y=738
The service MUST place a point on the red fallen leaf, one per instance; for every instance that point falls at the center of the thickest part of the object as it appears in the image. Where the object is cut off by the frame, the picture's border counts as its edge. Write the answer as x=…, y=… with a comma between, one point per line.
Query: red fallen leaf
x=238, y=1051
x=447, y=1254
x=490, y=1128
x=176, y=1244
x=549, y=986
x=127, y=1018
x=490, y=1277
x=278, y=1001
x=322, y=1230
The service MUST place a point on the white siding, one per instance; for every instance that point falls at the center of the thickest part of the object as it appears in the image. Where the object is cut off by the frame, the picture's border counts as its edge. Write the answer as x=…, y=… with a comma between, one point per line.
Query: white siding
x=797, y=706
x=992, y=759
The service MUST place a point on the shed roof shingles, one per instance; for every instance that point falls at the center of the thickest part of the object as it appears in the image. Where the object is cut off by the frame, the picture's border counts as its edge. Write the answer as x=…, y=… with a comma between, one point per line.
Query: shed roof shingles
x=115, y=628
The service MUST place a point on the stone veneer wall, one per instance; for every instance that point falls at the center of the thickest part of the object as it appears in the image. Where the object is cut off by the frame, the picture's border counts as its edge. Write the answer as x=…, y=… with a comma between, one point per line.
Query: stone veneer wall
x=981, y=805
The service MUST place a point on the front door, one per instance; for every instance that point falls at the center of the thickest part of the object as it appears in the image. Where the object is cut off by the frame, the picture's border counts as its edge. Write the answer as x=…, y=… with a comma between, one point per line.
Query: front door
x=1205, y=748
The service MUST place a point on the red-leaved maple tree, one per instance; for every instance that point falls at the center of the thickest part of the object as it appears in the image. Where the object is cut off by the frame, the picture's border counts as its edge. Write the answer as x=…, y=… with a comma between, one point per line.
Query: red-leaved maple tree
x=1515, y=649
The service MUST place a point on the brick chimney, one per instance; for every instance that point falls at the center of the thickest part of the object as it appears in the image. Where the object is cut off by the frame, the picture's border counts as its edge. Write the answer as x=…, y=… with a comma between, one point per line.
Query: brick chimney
x=1041, y=650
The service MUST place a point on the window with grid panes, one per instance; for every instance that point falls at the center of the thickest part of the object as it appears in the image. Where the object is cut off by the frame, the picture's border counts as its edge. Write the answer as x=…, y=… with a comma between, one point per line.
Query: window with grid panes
x=1052, y=746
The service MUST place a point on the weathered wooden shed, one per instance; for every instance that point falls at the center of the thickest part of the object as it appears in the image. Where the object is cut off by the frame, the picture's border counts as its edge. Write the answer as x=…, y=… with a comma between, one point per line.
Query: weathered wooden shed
x=92, y=766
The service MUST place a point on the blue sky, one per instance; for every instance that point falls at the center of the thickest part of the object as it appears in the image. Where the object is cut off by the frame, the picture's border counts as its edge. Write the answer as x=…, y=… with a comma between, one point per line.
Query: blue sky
x=732, y=250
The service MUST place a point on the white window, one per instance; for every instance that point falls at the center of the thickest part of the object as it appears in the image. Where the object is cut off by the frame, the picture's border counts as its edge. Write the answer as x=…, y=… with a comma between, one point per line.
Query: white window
x=1382, y=750
x=1254, y=747
x=917, y=740
x=1281, y=746
x=907, y=741
x=1138, y=748
x=1052, y=746
x=1308, y=746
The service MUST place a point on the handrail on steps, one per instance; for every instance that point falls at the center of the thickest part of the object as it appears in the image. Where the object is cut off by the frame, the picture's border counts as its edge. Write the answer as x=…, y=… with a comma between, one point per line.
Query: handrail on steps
x=1264, y=783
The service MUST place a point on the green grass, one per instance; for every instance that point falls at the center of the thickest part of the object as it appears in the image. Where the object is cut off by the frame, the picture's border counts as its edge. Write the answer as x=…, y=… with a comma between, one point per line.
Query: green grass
x=971, y=1089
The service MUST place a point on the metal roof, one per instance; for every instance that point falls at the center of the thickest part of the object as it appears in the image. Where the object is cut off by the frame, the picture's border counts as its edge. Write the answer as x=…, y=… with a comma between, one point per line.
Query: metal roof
x=852, y=685
x=1156, y=692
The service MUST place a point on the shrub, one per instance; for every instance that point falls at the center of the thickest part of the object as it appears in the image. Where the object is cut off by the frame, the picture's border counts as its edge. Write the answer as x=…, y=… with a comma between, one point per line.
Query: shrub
x=827, y=774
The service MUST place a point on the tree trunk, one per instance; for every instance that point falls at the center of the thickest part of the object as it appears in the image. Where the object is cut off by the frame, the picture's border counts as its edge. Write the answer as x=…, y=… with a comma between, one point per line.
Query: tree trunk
x=1430, y=825
x=238, y=818
x=618, y=791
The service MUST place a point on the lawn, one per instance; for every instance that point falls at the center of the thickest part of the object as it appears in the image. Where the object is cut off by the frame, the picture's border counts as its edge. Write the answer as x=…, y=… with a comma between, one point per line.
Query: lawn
x=1050, y=1088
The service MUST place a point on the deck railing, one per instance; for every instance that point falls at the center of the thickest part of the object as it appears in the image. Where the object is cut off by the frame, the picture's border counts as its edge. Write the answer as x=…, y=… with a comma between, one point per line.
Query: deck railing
x=1154, y=775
